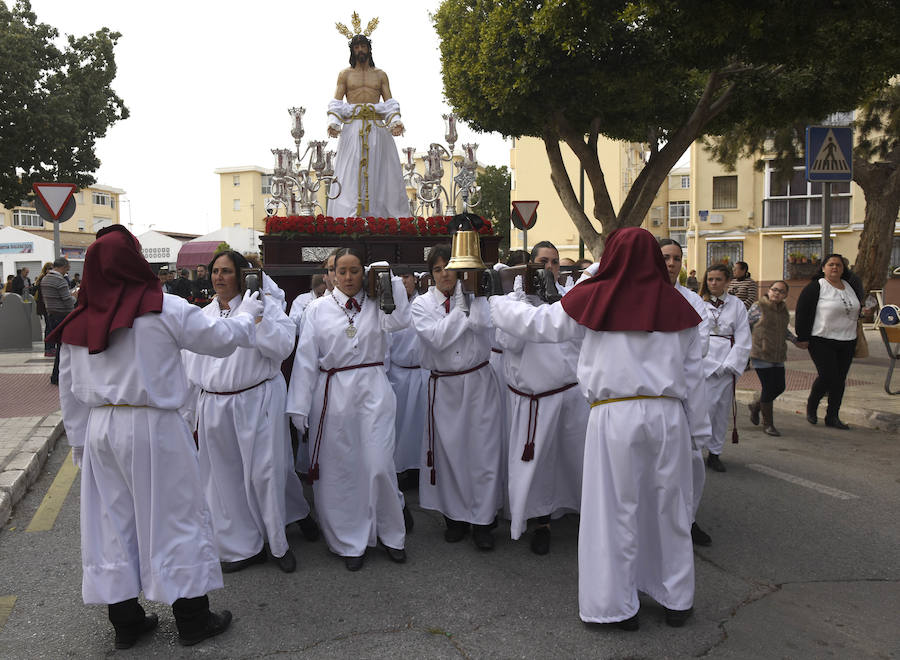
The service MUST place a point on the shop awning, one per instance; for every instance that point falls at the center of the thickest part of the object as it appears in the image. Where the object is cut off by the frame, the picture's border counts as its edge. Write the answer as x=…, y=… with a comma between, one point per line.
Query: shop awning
x=193, y=254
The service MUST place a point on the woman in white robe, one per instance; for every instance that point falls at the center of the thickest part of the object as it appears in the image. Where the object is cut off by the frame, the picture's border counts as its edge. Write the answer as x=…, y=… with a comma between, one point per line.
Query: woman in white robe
x=729, y=349
x=646, y=404
x=461, y=474
x=246, y=462
x=339, y=389
x=145, y=525
x=548, y=419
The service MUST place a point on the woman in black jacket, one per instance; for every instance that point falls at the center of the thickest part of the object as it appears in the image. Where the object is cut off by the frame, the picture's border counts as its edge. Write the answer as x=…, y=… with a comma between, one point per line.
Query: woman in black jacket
x=826, y=317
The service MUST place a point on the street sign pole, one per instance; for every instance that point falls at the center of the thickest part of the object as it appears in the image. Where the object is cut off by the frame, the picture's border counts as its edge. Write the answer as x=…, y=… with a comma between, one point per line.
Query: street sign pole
x=525, y=240
x=56, y=250
x=826, y=220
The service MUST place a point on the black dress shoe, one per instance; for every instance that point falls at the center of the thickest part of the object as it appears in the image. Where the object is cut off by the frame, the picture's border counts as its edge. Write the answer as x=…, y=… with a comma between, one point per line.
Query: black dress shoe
x=456, y=530
x=408, y=520
x=354, y=563
x=241, y=564
x=396, y=555
x=812, y=418
x=216, y=624
x=676, y=618
x=699, y=537
x=127, y=640
x=835, y=423
x=287, y=562
x=309, y=528
x=540, y=542
x=714, y=463
x=482, y=536
x=630, y=624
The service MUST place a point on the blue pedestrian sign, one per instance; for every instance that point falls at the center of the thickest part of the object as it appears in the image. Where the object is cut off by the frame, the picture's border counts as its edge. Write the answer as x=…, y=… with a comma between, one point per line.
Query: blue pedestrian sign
x=829, y=153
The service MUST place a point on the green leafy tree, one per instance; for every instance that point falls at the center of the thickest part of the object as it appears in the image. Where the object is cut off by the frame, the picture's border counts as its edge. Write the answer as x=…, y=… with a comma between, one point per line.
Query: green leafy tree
x=495, y=184
x=54, y=103
x=658, y=72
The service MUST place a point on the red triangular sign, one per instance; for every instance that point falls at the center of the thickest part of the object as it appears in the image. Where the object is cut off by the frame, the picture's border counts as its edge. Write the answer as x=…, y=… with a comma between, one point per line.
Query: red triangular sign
x=525, y=210
x=54, y=195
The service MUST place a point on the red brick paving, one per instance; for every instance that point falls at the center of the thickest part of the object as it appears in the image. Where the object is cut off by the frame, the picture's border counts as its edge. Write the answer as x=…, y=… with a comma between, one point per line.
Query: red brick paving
x=793, y=379
x=27, y=395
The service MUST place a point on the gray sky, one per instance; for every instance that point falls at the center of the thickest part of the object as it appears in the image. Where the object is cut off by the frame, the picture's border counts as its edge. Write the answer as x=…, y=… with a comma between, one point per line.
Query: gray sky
x=208, y=85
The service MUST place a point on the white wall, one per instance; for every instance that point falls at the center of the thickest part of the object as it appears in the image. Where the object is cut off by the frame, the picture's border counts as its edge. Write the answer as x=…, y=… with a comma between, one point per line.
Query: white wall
x=34, y=253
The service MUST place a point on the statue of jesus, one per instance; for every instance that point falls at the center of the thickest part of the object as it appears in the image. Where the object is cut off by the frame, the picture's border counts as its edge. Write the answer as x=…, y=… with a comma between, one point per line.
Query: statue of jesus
x=367, y=163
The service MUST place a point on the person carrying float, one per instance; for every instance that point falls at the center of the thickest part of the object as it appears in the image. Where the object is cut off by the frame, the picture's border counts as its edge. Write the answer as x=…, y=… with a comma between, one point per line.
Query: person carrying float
x=461, y=474
x=246, y=462
x=144, y=520
x=340, y=391
x=548, y=418
x=639, y=367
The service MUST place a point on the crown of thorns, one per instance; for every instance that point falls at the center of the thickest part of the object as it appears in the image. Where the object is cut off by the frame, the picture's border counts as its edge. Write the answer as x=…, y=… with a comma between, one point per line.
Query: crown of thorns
x=357, y=27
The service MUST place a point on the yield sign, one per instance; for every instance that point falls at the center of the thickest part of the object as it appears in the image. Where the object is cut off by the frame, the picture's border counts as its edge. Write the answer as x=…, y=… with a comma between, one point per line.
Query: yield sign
x=54, y=196
x=524, y=214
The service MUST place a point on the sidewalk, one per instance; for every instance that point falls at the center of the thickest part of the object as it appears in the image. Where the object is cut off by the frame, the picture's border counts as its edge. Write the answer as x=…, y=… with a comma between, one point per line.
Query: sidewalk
x=865, y=404
x=30, y=422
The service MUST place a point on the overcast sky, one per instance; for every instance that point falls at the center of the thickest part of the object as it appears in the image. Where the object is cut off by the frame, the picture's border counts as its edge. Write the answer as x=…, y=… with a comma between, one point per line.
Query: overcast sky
x=208, y=85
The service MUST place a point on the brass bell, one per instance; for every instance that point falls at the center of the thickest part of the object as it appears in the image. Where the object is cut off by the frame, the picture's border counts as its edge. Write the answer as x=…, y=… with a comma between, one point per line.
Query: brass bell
x=466, y=252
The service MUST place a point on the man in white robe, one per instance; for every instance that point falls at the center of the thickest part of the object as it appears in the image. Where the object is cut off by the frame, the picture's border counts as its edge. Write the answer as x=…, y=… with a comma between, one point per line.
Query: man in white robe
x=367, y=164
x=144, y=521
x=646, y=404
x=673, y=256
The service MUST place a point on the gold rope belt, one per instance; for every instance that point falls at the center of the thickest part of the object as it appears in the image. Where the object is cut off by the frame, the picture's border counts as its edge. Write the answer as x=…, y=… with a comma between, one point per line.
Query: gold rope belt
x=629, y=398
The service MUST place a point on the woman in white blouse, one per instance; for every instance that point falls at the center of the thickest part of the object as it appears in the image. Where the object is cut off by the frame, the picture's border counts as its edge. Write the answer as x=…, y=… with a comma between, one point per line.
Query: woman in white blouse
x=827, y=312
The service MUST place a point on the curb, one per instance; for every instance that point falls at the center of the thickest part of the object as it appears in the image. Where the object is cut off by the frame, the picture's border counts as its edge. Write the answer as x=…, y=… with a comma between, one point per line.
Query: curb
x=855, y=416
x=24, y=469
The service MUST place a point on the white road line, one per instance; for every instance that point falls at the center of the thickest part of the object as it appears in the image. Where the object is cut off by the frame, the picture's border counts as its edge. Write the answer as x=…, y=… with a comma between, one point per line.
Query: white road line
x=806, y=483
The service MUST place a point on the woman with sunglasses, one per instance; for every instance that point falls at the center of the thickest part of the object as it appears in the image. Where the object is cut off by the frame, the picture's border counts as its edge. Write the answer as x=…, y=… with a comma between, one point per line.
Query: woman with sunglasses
x=769, y=318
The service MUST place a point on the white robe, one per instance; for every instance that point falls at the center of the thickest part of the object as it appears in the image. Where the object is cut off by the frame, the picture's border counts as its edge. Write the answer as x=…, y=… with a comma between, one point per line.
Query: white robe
x=145, y=525
x=410, y=389
x=724, y=363
x=246, y=462
x=387, y=191
x=356, y=494
x=550, y=483
x=298, y=307
x=636, y=498
x=467, y=442
x=698, y=467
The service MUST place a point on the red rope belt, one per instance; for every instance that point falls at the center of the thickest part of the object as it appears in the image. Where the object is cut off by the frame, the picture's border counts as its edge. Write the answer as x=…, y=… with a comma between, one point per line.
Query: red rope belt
x=403, y=366
x=496, y=350
x=734, y=431
x=534, y=401
x=314, y=461
x=246, y=389
x=432, y=395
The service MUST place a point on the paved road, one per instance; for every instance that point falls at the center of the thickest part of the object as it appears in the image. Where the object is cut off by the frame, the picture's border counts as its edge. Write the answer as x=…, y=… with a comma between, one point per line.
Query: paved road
x=804, y=564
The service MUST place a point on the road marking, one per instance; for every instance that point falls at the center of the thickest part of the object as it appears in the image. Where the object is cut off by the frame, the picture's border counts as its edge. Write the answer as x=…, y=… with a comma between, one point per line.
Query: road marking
x=50, y=507
x=806, y=483
x=6, y=605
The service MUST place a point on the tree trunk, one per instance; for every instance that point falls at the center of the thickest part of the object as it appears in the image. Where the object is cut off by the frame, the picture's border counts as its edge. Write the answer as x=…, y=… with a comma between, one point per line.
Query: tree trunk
x=880, y=183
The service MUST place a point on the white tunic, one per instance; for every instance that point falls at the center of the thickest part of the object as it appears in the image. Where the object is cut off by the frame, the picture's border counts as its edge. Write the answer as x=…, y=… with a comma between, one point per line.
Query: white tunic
x=409, y=381
x=246, y=462
x=550, y=482
x=356, y=494
x=466, y=432
x=298, y=307
x=724, y=363
x=387, y=192
x=145, y=524
x=698, y=467
x=636, y=498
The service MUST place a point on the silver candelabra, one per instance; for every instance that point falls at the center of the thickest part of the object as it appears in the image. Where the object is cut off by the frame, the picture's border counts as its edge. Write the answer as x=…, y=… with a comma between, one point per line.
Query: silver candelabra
x=430, y=191
x=296, y=187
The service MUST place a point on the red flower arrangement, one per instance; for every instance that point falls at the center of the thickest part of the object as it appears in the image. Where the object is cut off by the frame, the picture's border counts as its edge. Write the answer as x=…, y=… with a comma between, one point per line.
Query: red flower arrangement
x=321, y=224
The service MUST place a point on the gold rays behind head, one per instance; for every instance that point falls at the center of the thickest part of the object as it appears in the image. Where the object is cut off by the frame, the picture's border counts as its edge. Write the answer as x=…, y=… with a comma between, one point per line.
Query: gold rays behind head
x=357, y=27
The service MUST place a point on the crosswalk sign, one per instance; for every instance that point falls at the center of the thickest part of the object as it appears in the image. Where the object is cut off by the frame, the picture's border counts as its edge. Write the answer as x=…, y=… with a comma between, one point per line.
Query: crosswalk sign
x=829, y=153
